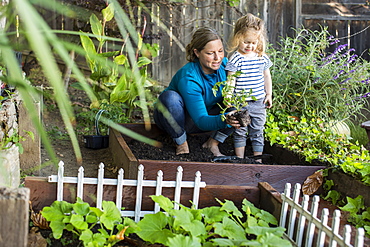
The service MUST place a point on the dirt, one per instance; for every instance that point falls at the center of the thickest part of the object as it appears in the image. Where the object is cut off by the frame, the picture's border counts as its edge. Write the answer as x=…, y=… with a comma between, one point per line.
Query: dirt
x=197, y=153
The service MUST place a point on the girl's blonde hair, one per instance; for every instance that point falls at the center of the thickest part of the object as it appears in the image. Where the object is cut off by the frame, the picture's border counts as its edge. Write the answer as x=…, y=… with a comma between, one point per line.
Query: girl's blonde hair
x=243, y=26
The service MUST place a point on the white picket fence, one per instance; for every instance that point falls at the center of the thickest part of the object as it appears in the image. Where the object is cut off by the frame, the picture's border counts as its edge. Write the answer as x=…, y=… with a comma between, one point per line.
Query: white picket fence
x=120, y=182
x=309, y=227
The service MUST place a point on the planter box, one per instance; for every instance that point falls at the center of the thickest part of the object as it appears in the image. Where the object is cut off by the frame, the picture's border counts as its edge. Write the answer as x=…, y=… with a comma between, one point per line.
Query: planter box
x=43, y=193
x=212, y=173
x=346, y=185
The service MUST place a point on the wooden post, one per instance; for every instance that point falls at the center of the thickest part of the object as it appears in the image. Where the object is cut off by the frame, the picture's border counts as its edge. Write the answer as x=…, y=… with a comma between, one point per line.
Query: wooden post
x=31, y=156
x=14, y=216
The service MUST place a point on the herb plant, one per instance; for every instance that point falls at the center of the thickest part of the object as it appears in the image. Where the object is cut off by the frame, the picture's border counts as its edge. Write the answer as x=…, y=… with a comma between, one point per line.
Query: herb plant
x=116, y=80
x=223, y=225
x=306, y=77
x=80, y=219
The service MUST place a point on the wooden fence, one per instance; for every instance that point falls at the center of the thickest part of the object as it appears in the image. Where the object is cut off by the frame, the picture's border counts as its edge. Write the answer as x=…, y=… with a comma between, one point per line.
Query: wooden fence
x=304, y=228
x=120, y=182
x=171, y=23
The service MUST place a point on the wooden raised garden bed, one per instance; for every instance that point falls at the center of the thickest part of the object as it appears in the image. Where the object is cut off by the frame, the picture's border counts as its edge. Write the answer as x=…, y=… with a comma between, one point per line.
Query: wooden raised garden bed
x=212, y=173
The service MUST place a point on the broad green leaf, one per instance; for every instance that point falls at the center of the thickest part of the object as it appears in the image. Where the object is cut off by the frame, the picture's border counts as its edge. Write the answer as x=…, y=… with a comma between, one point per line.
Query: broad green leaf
x=267, y=217
x=153, y=228
x=96, y=26
x=111, y=215
x=108, y=13
x=142, y=61
x=223, y=242
x=183, y=218
x=270, y=240
x=248, y=206
x=89, y=48
x=180, y=240
x=57, y=227
x=333, y=195
x=165, y=203
x=86, y=236
x=78, y=221
x=230, y=229
x=120, y=60
x=230, y=207
x=353, y=205
x=213, y=214
x=81, y=207
x=259, y=230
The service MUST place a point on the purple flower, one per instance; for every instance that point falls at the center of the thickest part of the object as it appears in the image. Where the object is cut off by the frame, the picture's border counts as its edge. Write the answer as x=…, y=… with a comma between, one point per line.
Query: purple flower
x=352, y=58
x=334, y=42
x=365, y=95
x=366, y=81
x=342, y=82
x=339, y=73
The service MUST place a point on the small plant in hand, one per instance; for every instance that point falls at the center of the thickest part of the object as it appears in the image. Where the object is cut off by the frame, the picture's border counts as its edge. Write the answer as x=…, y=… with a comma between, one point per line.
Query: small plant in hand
x=232, y=102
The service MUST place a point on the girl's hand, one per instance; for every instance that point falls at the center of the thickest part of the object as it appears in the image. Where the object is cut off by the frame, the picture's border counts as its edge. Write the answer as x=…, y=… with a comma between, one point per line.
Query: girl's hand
x=268, y=101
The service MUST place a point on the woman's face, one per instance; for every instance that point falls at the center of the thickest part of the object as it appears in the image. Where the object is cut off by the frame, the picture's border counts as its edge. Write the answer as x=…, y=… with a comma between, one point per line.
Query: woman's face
x=211, y=56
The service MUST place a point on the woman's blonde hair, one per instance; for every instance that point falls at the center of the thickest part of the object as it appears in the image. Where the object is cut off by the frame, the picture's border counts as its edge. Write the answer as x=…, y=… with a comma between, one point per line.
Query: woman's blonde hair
x=243, y=26
x=199, y=40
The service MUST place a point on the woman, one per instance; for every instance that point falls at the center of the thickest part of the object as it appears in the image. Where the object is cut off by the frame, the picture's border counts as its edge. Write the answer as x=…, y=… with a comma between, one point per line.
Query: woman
x=188, y=104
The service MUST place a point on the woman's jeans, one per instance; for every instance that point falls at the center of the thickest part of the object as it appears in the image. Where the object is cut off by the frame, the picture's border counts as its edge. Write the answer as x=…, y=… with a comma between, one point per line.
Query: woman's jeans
x=170, y=115
x=257, y=112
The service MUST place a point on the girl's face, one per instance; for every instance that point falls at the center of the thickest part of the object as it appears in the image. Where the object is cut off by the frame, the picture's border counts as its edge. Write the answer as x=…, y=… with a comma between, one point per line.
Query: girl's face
x=211, y=56
x=248, y=45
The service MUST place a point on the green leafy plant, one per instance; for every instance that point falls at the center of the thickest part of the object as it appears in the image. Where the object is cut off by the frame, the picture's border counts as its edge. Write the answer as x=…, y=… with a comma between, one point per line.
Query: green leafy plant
x=15, y=139
x=312, y=139
x=359, y=214
x=232, y=101
x=114, y=79
x=223, y=225
x=80, y=219
x=334, y=85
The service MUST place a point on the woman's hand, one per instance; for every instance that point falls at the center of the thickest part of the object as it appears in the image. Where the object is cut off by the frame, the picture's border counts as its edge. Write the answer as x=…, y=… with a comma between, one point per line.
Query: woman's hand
x=231, y=120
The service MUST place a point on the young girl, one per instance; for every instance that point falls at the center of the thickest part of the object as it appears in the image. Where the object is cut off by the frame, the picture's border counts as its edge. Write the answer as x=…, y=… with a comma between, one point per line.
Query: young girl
x=249, y=44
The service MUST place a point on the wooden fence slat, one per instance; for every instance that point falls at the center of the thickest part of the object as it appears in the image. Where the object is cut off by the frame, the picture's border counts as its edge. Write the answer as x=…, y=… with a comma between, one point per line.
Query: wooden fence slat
x=119, y=188
x=139, y=192
x=60, y=181
x=312, y=226
x=293, y=213
x=284, y=208
x=324, y=223
x=80, y=182
x=158, y=189
x=196, y=189
x=99, y=191
x=335, y=227
x=360, y=237
x=178, y=187
x=302, y=221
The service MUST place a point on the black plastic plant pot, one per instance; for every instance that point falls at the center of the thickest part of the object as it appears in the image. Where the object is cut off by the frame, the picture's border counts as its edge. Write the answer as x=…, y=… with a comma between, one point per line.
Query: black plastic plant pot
x=96, y=141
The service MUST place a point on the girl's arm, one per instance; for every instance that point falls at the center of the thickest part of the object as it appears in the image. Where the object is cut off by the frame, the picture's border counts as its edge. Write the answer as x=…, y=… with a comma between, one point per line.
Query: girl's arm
x=268, y=88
